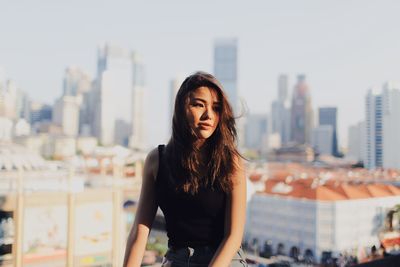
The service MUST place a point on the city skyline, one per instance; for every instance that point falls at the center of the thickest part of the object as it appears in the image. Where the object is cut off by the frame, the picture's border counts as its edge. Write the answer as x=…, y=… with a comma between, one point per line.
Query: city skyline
x=342, y=56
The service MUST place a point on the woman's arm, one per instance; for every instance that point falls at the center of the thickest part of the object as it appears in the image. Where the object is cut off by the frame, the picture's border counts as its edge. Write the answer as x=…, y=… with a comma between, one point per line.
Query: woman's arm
x=234, y=221
x=146, y=211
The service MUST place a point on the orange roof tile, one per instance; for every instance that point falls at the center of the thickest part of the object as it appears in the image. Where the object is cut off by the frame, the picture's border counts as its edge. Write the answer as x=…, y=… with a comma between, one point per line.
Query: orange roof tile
x=308, y=189
x=378, y=190
x=395, y=190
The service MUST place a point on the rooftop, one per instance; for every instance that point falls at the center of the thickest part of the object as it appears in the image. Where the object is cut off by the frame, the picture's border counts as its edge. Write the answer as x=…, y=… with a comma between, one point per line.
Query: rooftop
x=316, y=189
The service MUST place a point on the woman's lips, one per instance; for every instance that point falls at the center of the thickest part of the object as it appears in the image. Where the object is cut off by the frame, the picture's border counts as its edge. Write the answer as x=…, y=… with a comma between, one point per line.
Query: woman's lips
x=205, y=125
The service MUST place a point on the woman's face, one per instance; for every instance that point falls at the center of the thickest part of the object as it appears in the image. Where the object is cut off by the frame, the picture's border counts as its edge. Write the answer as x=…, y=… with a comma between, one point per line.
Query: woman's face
x=203, y=111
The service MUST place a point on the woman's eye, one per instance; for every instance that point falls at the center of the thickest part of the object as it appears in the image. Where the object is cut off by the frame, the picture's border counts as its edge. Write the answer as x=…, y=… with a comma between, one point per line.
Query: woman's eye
x=198, y=105
x=217, y=108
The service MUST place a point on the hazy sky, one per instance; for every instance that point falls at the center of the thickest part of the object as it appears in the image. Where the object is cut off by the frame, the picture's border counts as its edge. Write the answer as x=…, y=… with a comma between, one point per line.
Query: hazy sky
x=343, y=47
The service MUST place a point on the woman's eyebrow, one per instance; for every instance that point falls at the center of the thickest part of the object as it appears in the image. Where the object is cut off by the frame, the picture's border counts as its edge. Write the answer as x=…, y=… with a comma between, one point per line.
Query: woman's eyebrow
x=199, y=99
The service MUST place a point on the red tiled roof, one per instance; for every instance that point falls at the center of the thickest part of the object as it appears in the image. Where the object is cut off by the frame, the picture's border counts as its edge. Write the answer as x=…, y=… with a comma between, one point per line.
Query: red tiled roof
x=331, y=191
x=391, y=242
x=255, y=177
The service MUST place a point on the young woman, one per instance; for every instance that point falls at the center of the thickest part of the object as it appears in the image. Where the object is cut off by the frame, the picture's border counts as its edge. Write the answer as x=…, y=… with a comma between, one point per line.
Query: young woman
x=198, y=182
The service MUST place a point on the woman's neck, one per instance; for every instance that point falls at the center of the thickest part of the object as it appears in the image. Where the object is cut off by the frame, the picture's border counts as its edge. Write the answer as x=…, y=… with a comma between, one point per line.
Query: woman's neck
x=202, y=148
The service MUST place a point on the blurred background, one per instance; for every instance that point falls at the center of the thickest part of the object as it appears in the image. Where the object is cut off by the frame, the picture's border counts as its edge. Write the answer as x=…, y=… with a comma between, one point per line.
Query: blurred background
x=87, y=89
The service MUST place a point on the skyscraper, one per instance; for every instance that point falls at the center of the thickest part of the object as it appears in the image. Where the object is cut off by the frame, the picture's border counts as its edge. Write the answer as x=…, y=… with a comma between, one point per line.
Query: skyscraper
x=391, y=125
x=382, y=127
x=301, y=113
x=40, y=112
x=328, y=116
x=8, y=100
x=225, y=68
x=322, y=139
x=88, y=111
x=256, y=130
x=137, y=139
x=76, y=81
x=113, y=85
x=280, y=111
x=66, y=114
x=374, y=135
x=356, y=142
x=175, y=84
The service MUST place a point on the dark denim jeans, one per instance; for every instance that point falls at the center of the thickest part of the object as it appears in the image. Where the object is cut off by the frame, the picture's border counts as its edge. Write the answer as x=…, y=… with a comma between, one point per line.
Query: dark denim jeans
x=197, y=257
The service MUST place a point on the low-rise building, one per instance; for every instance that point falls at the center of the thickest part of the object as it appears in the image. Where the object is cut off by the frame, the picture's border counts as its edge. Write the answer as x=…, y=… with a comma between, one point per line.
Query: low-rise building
x=314, y=216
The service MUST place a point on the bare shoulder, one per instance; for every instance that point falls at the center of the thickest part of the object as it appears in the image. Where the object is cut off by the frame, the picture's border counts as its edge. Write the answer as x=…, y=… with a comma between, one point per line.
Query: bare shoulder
x=151, y=164
x=239, y=164
x=239, y=174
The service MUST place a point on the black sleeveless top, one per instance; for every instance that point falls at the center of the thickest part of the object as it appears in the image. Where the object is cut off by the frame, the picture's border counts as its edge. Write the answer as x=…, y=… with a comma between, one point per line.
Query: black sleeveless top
x=191, y=220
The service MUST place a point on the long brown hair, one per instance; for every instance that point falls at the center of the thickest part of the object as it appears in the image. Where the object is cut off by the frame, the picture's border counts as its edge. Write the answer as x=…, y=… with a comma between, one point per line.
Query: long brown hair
x=184, y=158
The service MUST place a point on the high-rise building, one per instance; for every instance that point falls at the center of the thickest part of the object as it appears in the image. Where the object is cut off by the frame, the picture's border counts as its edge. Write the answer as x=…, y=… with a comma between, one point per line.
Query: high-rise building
x=174, y=86
x=76, y=81
x=322, y=139
x=40, y=112
x=328, y=116
x=356, y=142
x=225, y=68
x=23, y=106
x=122, y=132
x=226, y=71
x=280, y=111
x=8, y=100
x=113, y=87
x=374, y=126
x=137, y=138
x=256, y=130
x=66, y=114
x=88, y=111
x=391, y=125
x=301, y=113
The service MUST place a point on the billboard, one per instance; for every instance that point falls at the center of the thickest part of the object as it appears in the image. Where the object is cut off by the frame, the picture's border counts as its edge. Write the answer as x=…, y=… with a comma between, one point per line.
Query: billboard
x=45, y=235
x=93, y=233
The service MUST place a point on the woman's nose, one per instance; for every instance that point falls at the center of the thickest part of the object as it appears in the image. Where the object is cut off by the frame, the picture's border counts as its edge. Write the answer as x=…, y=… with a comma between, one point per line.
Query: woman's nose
x=208, y=114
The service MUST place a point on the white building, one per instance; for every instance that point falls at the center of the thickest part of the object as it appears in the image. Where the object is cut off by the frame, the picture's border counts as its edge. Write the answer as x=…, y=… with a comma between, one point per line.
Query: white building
x=76, y=81
x=137, y=135
x=32, y=142
x=86, y=144
x=6, y=129
x=66, y=114
x=122, y=132
x=21, y=127
x=391, y=126
x=15, y=157
x=382, y=128
x=8, y=100
x=356, y=142
x=322, y=139
x=315, y=217
x=62, y=147
x=373, y=130
x=114, y=88
x=14, y=103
